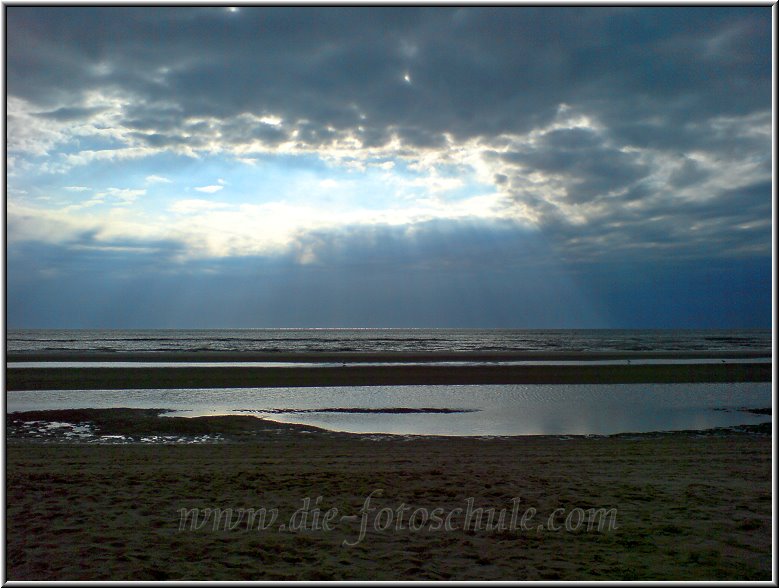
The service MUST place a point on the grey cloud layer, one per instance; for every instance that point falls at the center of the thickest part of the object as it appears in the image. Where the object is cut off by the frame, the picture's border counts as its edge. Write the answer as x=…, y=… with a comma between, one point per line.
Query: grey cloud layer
x=474, y=71
x=679, y=98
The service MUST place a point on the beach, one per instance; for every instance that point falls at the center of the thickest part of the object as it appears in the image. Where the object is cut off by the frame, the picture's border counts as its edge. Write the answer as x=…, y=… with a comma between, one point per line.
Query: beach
x=473, y=293
x=688, y=506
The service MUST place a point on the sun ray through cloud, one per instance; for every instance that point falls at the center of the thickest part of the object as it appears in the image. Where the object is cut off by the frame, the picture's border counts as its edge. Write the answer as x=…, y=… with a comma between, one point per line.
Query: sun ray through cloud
x=277, y=141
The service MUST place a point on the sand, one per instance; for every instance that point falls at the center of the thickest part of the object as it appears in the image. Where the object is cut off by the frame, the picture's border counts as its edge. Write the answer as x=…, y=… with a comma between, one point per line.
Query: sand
x=688, y=505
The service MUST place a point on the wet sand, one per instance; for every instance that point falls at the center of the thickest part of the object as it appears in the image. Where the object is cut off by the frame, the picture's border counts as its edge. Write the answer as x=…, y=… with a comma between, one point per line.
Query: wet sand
x=688, y=505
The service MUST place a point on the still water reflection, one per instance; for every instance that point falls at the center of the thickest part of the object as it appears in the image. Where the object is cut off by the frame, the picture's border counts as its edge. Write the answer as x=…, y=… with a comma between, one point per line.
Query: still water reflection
x=482, y=410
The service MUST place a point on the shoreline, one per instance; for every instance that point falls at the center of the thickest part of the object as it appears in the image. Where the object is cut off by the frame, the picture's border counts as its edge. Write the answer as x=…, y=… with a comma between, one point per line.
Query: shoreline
x=134, y=424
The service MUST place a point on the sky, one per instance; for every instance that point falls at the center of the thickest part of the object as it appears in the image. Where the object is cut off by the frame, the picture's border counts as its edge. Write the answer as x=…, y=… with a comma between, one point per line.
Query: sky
x=509, y=167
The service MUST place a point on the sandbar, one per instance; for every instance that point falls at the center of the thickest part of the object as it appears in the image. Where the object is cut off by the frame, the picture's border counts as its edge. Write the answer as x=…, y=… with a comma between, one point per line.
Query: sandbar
x=353, y=373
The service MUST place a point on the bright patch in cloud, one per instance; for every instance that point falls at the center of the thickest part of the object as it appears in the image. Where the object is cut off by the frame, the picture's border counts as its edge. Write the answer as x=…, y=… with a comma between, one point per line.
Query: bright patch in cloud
x=193, y=205
x=124, y=195
x=209, y=189
x=158, y=180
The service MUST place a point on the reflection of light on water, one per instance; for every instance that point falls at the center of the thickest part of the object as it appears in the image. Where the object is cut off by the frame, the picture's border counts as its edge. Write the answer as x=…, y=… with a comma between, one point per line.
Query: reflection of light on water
x=497, y=409
x=341, y=364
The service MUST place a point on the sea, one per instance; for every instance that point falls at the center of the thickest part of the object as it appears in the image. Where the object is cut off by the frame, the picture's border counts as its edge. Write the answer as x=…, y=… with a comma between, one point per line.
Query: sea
x=386, y=340
x=464, y=410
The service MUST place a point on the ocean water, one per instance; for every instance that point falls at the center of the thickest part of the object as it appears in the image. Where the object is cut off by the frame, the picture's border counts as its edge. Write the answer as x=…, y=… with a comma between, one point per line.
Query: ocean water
x=339, y=364
x=387, y=340
x=478, y=410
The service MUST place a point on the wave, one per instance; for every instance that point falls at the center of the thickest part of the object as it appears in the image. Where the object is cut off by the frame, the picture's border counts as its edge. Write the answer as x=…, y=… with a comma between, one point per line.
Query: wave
x=386, y=340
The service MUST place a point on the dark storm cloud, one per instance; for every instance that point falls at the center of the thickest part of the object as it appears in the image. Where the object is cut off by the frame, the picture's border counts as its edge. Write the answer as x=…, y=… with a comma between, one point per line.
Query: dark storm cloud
x=591, y=168
x=159, y=140
x=654, y=77
x=243, y=131
x=473, y=71
x=732, y=223
x=689, y=173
